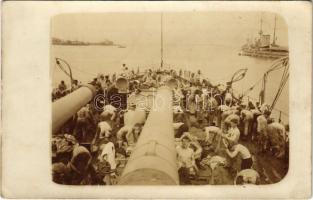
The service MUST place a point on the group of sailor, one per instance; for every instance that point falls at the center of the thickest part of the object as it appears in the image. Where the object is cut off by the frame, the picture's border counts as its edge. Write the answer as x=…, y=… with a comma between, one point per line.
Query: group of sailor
x=211, y=127
x=218, y=125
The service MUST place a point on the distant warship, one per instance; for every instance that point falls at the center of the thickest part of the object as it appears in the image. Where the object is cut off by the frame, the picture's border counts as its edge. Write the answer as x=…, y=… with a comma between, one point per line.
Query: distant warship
x=262, y=47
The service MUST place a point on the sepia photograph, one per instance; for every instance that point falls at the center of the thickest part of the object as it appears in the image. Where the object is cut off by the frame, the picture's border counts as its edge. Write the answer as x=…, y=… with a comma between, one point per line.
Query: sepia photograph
x=156, y=100
x=169, y=98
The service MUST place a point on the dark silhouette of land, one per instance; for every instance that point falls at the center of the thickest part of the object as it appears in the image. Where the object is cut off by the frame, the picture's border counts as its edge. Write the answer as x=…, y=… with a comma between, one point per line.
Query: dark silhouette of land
x=57, y=41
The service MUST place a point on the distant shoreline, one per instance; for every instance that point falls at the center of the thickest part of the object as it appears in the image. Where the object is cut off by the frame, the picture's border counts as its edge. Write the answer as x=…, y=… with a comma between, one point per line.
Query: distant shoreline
x=89, y=45
x=57, y=41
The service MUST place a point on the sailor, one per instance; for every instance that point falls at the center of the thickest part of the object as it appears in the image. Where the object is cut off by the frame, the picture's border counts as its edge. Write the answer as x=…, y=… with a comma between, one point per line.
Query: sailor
x=102, y=82
x=211, y=133
x=256, y=113
x=62, y=88
x=224, y=117
x=125, y=70
x=178, y=95
x=78, y=171
x=233, y=150
x=108, y=82
x=121, y=136
x=229, y=118
x=75, y=85
x=113, y=77
x=55, y=94
x=108, y=155
x=199, y=105
x=109, y=112
x=103, y=130
x=228, y=99
x=194, y=144
x=192, y=78
x=186, y=160
x=60, y=172
x=233, y=133
x=221, y=109
x=192, y=108
x=264, y=107
x=213, y=110
x=82, y=122
x=277, y=138
x=132, y=136
x=204, y=98
x=247, y=117
x=133, y=116
x=180, y=128
x=262, y=136
x=198, y=75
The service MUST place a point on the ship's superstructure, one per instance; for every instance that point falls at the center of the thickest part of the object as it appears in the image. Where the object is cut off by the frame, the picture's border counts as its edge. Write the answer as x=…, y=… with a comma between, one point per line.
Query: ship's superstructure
x=262, y=46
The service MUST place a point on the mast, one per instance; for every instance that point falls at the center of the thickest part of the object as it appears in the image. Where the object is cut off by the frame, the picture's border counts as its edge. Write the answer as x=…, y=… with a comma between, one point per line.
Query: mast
x=274, y=35
x=261, y=32
x=263, y=90
x=161, y=40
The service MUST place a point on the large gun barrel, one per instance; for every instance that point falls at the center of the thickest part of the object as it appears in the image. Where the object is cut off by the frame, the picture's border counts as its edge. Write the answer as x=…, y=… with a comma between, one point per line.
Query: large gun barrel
x=153, y=160
x=64, y=108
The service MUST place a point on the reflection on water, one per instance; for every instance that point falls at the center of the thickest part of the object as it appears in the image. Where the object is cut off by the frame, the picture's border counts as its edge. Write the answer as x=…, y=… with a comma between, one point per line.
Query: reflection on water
x=218, y=63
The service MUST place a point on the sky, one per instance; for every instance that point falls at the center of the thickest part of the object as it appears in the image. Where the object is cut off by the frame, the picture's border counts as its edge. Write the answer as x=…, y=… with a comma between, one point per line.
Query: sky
x=179, y=28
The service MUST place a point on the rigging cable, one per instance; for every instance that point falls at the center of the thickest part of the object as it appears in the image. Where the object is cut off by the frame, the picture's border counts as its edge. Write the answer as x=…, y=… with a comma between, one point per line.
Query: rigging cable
x=281, y=87
x=278, y=64
x=252, y=87
x=63, y=69
x=238, y=75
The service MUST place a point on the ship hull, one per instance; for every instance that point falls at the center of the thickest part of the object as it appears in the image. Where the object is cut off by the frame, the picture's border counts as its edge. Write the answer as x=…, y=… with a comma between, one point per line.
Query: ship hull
x=263, y=54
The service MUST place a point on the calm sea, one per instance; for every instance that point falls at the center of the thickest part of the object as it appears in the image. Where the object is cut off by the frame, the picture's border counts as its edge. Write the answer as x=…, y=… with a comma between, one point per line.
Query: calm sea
x=217, y=62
